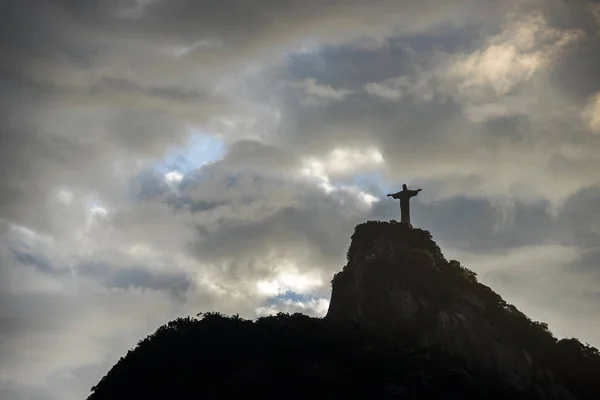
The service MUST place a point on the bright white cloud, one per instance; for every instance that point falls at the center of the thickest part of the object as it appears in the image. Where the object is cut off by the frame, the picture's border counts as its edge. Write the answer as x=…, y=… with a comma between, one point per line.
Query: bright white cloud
x=98, y=212
x=95, y=218
x=392, y=89
x=343, y=162
x=65, y=196
x=500, y=66
x=369, y=198
x=509, y=59
x=173, y=177
x=313, y=88
x=312, y=307
x=289, y=280
x=591, y=113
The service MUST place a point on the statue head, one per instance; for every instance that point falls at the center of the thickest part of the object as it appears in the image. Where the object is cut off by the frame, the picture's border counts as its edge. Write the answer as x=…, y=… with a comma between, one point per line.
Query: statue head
x=404, y=187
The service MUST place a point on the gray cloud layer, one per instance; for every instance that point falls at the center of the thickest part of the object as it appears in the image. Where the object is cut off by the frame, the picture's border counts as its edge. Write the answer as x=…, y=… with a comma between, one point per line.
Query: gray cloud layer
x=323, y=107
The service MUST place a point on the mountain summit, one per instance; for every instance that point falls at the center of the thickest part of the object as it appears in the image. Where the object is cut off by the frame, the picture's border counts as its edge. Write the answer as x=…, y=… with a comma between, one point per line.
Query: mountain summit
x=397, y=277
x=403, y=322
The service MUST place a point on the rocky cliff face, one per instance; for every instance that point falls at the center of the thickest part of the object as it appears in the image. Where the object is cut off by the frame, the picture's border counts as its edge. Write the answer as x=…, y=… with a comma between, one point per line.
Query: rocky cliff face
x=397, y=277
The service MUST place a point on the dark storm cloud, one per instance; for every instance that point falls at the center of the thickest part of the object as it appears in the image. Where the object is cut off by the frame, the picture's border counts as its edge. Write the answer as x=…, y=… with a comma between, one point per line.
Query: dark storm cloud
x=168, y=92
x=581, y=215
x=239, y=22
x=250, y=154
x=134, y=130
x=176, y=284
x=79, y=33
x=124, y=277
x=588, y=265
x=33, y=260
x=354, y=65
x=149, y=184
x=359, y=122
x=578, y=14
x=480, y=225
x=574, y=74
x=109, y=276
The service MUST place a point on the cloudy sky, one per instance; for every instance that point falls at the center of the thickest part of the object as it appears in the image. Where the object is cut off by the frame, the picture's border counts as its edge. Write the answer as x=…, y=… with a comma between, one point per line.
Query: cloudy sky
x=163, y=158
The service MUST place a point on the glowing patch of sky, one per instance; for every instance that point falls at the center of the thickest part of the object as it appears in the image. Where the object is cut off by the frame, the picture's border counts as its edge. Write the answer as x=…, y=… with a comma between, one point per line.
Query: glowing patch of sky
x=95, y=207
x=337, y=171
x=288, y=281
x=65, y=196
x=289, y=295
x=372, y=180
x=311, y=306
x=200, y=149
x=174, y=177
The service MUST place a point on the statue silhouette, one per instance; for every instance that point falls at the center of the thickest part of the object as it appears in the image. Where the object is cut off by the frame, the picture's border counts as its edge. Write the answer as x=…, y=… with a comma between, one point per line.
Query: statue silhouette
x=404, y=195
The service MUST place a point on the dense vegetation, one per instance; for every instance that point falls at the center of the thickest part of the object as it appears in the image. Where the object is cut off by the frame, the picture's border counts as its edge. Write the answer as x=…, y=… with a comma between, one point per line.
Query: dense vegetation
x=295, y=356
x=288, y=356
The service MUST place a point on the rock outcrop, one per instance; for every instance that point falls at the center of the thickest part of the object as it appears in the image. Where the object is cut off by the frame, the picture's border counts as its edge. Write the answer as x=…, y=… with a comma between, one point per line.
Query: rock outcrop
x=397, y=278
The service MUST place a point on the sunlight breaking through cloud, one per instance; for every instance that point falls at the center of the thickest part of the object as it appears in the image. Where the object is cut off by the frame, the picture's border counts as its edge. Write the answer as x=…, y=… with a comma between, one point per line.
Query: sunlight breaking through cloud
x=343, y=162
x=65, y=196
x=312, y=307
x=288, y=279
x=173, y=177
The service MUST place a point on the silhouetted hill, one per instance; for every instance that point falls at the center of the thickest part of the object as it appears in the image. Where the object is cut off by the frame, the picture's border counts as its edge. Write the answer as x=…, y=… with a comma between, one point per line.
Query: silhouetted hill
x=403, y=323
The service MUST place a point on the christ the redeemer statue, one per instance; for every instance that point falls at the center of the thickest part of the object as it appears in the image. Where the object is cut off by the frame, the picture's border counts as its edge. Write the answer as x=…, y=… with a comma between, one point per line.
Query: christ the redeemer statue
x=404, y=195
